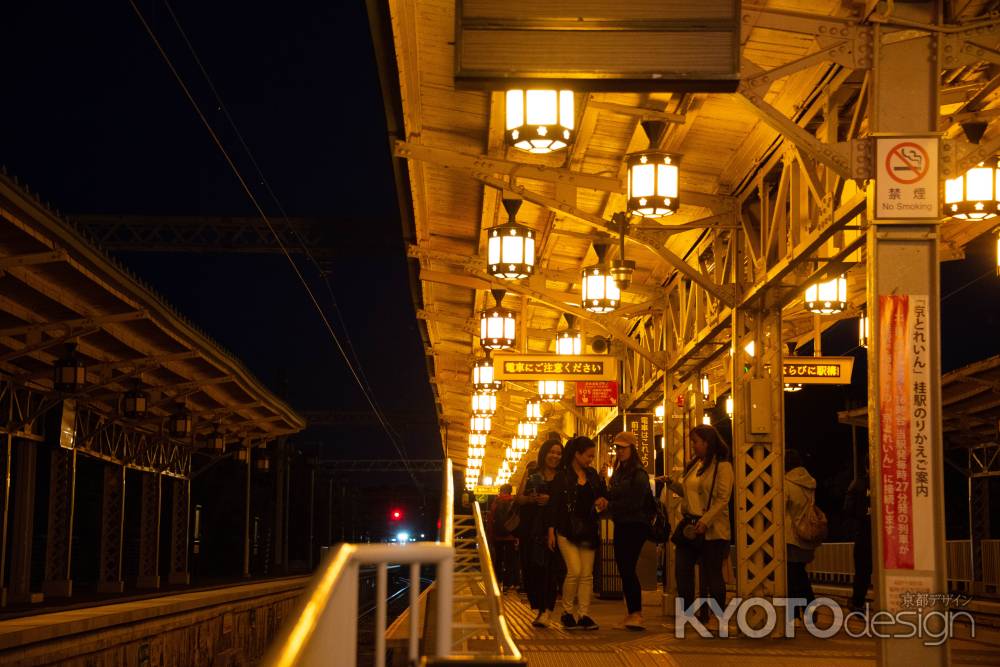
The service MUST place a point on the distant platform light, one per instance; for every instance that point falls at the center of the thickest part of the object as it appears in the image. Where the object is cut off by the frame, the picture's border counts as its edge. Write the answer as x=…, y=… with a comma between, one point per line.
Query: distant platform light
x=479, y=425
x=482, y=376
x=729, y=405
x=706, y=387
x=706, y=419
x=533, y=411
x=484, y=403
x=510, y=247
x=974, y=194
x=539, y=121
x=69, y=373
x=792, y=387
x=658, y=414
x=653, y=177
x=828, y=297
x=599, y=293
x=863, y=326
x=497, y=325
x=551, y=391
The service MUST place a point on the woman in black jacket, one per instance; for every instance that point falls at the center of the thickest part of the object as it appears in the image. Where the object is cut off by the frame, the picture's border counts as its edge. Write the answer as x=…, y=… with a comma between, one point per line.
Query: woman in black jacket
x=632, y=508
x=577, y=494
x=541, y=577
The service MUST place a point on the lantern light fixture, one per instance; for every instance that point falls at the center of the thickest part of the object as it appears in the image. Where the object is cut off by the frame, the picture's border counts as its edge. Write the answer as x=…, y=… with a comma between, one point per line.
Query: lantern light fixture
x=533, y=411
x=551, y=391
x=180, y=423
x=520, y=444
x=569, y=341
x=998, y=251
x=487, y=481
x=792, y=387
x=217, y=441
x=479, y=424
x=706, y=388
x=621, y=268
x=539, y=121
x=135, y=402
x=828, y=297
x=598, y=291
x=526, y=429
x=242, y=454
x=477, y=451
x=706, y=419
x=863, y=328
x=658, y=414
x=729, y=405
x=974, y=195
x=653, y=177
x=510, y=247
x=262, y=462
x=482, y=375
x=69, y=372
x=497, y=326
x=484, y=403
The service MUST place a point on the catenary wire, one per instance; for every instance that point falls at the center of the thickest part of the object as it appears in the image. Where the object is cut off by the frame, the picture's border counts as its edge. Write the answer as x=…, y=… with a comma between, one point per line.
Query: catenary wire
x=281, y=245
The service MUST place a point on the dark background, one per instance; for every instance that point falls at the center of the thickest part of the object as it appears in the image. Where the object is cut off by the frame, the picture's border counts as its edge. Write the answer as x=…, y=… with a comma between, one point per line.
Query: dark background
x=92, y=119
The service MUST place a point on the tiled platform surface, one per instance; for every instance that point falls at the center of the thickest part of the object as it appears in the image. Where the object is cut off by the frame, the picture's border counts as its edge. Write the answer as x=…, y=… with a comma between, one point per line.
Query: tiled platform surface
x=615, y=646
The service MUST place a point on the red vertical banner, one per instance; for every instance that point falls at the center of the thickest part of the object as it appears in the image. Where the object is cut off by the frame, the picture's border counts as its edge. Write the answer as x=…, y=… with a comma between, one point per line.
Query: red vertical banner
x=895, y=422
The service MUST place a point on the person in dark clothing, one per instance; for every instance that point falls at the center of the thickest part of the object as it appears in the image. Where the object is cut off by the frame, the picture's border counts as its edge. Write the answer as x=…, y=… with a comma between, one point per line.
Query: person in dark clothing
x=542, y=569
x=631, y=505
x=800, y=494
x=857, y=506
x=577, y=494
x=501, y=539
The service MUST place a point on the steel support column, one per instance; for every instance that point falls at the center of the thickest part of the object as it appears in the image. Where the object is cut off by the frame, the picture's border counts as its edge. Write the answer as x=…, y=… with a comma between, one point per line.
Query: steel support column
x=149, y=531
x=24, y=516
x=59, y=542
x=979, y=525
x=758, y=455
x=5, y=499
x=109, y=578
x=180, y=527
x=904, y=296
x=246, y=507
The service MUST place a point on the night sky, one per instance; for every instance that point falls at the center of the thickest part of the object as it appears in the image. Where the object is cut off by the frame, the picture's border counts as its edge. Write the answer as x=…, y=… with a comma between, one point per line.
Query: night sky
x=92, y=119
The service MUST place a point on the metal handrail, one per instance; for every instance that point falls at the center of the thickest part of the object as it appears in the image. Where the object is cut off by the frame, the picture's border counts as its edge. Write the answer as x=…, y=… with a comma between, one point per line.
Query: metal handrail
x=501, y=631
x=325, y=630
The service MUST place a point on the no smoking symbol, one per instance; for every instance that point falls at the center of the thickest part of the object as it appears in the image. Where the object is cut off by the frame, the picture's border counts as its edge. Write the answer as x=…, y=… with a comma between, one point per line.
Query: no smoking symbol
x=907, y=162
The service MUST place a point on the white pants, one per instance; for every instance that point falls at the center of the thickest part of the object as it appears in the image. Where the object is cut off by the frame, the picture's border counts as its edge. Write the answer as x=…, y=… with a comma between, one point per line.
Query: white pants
x=579, y=582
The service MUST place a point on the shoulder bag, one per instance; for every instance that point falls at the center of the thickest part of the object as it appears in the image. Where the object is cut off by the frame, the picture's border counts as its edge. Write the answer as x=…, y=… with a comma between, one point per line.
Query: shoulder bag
x=685, y=534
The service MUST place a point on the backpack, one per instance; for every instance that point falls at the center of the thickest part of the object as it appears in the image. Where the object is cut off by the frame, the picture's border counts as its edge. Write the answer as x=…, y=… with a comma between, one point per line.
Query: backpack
x=812, y=525
x=506, y=518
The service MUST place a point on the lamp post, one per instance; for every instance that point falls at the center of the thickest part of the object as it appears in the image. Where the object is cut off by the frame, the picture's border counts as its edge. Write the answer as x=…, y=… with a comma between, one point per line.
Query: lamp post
x=653, y=177
x=497, y=326
x=539, y=121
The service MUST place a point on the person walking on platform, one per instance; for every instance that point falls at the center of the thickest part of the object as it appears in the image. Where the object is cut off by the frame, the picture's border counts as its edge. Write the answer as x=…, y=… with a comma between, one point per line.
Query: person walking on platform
x=632, y=508
x=857, y=506
x=800, y=499
x=578, y=494
x=523, y=532
x=703, y=534
x=502, y=538
x=542, y=569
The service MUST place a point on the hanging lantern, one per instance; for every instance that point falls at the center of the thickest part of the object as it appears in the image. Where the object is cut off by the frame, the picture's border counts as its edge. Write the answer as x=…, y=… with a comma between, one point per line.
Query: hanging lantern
x=479, y=425
x=706, y=389
x=473, y=463
x=539, y=121
x=484, y=403
x=827, y=298
x=180, y=424
x=482, y=376
x=69, y=372
x=729, y=405
x=863, y=328
x=526, y=429
x=242, y=454
x=477, y=440
x=521, y=444
x=974, y=194
x=510, y=247
x=706, y=419
x=533, y=411
x=217, y=441
x=998, y=251
x=658, y=414
x=569, y=341
x=792, y=387
x=497, y=327
x=551, y=391
x=263, y=461
x=135, y=403
x=599, y=293
x=653, y=177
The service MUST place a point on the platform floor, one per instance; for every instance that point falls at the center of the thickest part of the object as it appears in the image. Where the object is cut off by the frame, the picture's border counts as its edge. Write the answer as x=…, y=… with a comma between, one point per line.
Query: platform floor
x=615, y=646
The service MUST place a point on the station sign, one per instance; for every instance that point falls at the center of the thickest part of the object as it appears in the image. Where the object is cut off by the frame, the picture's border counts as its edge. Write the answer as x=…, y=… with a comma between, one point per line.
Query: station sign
x=641, y=424
x=554, y=367
x=602, y=394
x=491, y=490
x=817, y=370
x=906, y=177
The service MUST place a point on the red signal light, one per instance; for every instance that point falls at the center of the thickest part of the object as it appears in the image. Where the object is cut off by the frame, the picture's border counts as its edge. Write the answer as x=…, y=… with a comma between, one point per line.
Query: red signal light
x=396, y=515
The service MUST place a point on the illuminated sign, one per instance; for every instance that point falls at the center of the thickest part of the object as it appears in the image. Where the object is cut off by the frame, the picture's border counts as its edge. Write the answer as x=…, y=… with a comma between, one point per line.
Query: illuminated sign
x=818, y=370
x=596, y=394
x=554, y=367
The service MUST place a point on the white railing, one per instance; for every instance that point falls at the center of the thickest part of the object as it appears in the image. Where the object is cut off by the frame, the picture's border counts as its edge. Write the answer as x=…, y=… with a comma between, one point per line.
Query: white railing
x=326, y=629
x=494, y=601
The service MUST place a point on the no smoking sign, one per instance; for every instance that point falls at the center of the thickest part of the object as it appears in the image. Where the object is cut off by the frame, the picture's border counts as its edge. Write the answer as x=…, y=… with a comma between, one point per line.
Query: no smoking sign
x=906, y=183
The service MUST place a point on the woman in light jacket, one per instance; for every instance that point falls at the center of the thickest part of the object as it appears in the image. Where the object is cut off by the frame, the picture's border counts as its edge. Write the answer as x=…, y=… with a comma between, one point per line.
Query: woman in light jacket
x=800, y=493
x=704, y=487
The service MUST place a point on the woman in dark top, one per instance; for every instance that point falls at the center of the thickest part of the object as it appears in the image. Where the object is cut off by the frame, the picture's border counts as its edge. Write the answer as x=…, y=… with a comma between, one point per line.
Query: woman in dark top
x=632, y=508
x=541, y=568
x=577, y=494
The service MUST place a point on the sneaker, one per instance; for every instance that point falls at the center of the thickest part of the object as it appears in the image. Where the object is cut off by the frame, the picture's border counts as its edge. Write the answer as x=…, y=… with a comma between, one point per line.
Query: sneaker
x=542, y=620
x=634, y=622
x=587, y=623
x=567, y=620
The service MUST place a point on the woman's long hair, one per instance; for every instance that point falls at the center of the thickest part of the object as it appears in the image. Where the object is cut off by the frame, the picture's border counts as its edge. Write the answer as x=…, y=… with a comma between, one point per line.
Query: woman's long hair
x=580, y=443
x=627, y=467
x=543, y=453
x=717, y=449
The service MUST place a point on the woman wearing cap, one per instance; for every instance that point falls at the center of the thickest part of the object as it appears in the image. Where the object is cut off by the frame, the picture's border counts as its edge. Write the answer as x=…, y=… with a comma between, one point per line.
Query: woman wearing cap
x=577, y=494
x=631, y=505
x=705, y=487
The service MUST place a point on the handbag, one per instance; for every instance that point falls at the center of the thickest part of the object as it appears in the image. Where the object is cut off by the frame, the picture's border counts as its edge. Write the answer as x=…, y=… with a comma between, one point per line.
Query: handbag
x=685, y=534
x=659, y=531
